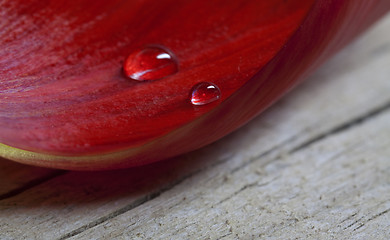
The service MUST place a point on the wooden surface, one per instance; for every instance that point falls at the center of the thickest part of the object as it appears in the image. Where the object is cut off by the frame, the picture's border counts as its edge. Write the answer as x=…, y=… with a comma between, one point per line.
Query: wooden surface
x=314, y=166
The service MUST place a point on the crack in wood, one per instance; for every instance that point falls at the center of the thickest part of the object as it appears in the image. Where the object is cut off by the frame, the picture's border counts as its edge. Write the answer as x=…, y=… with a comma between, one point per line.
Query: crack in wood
x=354, y=223
x=138, y=202
x=379, y=214
x=346, y=126
x=348, y=218
x=362, y=224
x=338, y=129
x=31, y=184
x=118, y=212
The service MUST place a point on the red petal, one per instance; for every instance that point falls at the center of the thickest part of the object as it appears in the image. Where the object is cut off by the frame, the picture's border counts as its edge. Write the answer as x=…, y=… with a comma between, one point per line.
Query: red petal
x=63, y=91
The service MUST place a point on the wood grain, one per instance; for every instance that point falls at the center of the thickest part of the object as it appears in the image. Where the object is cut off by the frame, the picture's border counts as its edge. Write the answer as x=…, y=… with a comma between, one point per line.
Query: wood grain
x=315, y=166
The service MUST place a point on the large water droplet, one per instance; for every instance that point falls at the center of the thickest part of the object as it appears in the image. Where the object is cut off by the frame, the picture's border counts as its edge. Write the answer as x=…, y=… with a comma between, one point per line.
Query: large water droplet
x=150, y=63
x=204, y=93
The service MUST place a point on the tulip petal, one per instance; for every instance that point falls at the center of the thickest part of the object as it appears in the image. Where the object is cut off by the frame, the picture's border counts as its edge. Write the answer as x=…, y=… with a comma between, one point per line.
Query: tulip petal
x=66, y=103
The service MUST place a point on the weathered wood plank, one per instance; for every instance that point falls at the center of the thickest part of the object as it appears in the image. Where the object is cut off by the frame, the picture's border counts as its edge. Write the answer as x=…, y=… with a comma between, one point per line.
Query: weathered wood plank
x=337, y=188
x=248, y=174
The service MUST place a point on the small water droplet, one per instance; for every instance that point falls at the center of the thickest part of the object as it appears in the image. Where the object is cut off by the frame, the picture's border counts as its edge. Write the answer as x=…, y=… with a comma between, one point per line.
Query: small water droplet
x=150, y=63
x=204, y=93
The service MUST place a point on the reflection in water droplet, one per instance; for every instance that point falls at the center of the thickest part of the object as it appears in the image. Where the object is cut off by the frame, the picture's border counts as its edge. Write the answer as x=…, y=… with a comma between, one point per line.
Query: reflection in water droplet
x=204, y=93
x=150, y=63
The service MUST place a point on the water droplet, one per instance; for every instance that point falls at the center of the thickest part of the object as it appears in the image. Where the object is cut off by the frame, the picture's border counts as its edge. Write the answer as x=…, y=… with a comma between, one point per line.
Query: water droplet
x=204, y=93
x=150, y=63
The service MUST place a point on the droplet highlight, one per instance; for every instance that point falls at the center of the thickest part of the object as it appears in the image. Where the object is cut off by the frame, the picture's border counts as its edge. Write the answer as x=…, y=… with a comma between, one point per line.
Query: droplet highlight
x=204, y=93
x=150, y=63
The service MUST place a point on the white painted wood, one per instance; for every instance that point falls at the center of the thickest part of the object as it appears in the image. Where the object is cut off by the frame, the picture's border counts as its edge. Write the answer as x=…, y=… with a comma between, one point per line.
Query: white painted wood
x=297, y=171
